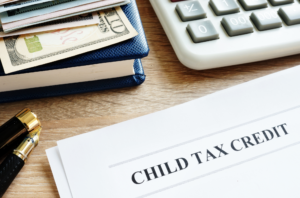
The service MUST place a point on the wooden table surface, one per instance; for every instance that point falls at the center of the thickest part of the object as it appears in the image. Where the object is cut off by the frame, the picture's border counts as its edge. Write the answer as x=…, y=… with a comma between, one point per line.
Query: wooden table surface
x=168, y=83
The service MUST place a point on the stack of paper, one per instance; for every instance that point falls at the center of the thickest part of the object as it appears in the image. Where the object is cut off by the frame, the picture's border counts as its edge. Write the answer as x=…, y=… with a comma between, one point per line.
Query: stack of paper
x=12, y=20
x=44, y=31
x=21, y=14
x=240, y=142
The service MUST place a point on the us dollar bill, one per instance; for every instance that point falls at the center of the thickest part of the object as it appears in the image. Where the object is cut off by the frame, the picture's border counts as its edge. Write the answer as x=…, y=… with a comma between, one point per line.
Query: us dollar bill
x=26, y=51
x=20, y=4
x=75, y=21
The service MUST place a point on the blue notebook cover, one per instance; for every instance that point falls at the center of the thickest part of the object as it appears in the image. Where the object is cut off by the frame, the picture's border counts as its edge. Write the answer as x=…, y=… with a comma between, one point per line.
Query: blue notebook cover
x=135, y=48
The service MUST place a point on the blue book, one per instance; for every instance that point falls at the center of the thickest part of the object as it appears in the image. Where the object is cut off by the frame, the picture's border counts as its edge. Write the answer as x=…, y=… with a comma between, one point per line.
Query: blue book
x=121, y=59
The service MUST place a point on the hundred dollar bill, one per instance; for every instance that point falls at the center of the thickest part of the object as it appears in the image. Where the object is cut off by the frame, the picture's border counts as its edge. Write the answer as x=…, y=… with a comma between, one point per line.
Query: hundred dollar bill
x=22, y=52
x=41, y=9
x=20, y=4
x=76, y=21
x=79, y=10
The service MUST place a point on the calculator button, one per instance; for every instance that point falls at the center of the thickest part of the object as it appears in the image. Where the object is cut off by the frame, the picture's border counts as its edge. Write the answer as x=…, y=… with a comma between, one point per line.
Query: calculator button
x=190, y=10
x=222, y=7
x=290, y=15
x=237, y=25
x=280, y=2
x=253, y=4
x=266, y=19
x=201, y=31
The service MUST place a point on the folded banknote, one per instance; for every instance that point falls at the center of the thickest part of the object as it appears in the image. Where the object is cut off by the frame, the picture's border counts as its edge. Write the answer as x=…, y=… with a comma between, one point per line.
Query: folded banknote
x=75, y=21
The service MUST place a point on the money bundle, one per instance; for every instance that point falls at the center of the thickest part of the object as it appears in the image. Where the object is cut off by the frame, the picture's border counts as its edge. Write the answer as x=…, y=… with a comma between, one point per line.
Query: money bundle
x=36, y=32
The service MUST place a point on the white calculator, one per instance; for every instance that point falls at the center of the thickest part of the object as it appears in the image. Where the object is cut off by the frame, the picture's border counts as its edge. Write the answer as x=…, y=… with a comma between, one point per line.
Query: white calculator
x=208, y=34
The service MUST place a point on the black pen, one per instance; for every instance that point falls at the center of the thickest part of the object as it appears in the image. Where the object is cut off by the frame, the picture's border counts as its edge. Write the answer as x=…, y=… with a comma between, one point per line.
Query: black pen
x=15, y=128
x=13, y=164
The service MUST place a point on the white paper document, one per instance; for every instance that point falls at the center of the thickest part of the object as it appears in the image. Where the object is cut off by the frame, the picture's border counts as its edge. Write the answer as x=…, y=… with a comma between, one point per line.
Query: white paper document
x=240, y=142
x=60, y=175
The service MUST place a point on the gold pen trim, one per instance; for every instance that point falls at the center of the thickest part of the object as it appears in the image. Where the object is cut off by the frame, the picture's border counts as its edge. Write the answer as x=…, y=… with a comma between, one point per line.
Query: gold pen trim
x=28, y=118
x=28, y=144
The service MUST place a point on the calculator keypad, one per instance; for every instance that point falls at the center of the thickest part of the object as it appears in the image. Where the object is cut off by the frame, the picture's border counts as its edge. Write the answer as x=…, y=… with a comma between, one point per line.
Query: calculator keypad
x=266, y=19
x=253, y=4
x=190, y=10
x=261, y=38
x=237, y=24
x=290, y=15
x=201, y=31
x=222, y=7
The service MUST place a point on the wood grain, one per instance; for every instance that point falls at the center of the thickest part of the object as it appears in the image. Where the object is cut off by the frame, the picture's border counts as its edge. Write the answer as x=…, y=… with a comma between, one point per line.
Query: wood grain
x=168, y=83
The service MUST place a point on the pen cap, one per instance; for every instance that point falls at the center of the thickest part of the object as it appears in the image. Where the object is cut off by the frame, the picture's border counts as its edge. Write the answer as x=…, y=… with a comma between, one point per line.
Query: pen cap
x=22, y=123
x=28, y=118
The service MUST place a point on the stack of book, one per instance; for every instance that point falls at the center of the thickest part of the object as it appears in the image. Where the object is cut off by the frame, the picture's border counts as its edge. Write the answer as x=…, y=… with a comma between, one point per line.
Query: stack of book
x=52, y=48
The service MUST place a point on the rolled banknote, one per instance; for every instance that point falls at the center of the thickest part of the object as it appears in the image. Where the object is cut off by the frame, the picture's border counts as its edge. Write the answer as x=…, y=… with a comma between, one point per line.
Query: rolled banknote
x=22, y=52
x=20, y=4
x=76, y=21
x=79, y=10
